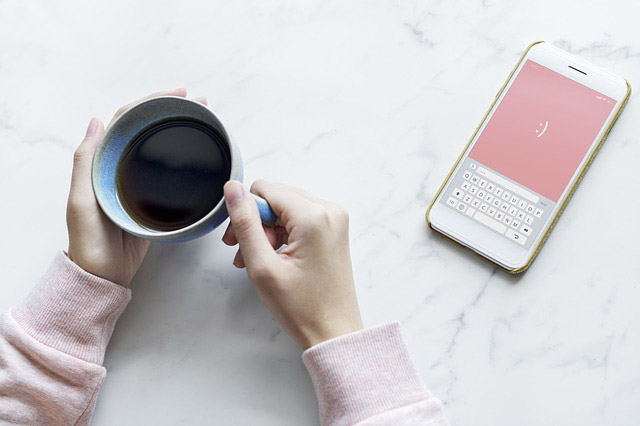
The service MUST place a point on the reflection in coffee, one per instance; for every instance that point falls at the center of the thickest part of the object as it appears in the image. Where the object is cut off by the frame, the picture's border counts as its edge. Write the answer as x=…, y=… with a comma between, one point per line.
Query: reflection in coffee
x=173, y=174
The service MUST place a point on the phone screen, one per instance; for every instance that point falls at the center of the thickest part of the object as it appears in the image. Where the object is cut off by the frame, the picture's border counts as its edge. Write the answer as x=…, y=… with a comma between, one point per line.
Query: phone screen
x=528, y=152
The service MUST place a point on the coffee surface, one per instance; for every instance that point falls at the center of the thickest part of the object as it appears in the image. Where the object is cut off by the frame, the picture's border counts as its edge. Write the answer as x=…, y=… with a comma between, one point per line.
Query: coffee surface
x=173, y=175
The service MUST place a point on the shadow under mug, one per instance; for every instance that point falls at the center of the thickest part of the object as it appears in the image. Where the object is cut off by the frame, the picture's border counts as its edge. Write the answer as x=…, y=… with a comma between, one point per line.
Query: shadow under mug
x=116, y=142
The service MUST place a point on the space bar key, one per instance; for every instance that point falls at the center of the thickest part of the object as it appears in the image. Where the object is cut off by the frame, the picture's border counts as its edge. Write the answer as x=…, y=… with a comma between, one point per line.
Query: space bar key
x=491, y=223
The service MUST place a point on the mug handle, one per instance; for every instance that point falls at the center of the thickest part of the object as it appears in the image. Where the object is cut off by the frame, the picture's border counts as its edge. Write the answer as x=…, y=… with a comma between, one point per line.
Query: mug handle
x=266, y=213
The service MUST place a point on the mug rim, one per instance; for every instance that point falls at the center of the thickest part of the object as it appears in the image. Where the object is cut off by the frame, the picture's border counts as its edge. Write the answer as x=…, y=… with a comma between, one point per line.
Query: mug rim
x=143, y=231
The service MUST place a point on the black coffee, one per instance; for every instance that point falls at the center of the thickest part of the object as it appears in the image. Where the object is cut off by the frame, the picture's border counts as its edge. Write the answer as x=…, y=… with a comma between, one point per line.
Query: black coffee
x=173, y=174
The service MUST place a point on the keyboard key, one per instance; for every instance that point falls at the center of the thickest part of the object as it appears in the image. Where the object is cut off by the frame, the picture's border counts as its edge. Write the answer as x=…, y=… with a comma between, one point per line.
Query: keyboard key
x=482, y=199
x=507, y=184
x=486, y=220
x=513, y=235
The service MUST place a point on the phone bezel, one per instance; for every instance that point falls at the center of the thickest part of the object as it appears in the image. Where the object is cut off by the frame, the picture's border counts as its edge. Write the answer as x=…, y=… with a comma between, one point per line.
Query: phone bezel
x=488, y=244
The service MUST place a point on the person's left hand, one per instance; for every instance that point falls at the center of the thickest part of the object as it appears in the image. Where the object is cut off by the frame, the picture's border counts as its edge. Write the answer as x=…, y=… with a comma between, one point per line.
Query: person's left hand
x=95, y=243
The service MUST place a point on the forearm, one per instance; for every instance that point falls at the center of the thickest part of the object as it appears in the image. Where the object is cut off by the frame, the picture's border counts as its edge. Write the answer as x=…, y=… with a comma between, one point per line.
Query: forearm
x=368, y=378
x=52, y=346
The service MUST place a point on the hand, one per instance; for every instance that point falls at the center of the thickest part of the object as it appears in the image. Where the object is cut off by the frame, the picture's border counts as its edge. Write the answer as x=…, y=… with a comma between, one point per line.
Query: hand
x=96, y=244
x=308, y=285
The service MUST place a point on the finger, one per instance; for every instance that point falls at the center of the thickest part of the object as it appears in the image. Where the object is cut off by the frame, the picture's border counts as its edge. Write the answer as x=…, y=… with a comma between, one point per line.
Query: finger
x=202, y=100
x=229, y=237
x=286, y=201
x=245, y=219
x=83, y=159
x=181, y=92
x=262, y=183
x=238, y=261
x=283, y=235
x=274, y=238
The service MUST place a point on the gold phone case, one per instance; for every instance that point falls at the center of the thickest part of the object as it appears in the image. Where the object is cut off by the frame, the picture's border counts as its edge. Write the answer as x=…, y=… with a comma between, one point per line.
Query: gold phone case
x=571, y=190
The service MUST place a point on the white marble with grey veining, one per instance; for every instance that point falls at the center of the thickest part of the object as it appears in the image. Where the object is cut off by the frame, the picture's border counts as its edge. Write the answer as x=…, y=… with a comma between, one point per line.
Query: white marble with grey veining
x=367, y=103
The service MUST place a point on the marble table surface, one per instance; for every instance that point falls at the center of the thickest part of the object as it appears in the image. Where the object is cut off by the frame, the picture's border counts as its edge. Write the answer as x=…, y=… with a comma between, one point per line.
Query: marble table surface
x=367, y=103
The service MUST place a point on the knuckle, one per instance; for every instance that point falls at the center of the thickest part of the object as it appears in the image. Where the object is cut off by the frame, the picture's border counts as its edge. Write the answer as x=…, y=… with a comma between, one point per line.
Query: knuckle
x=72, y=203
x=319, y=218
x=341, y=213
x=79, y=154
x=242, y=223
x=77, y=204
x=332, y=216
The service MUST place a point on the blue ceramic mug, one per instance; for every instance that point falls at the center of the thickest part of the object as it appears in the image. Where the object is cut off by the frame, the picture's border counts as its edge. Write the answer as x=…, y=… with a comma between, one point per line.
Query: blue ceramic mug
x=116, y=142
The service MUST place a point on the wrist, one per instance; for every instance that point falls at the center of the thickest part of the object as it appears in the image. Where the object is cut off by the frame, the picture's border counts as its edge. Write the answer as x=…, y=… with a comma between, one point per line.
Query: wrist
x=97, y=267
x=360, y=375
x=72, y=310
x=331, y=332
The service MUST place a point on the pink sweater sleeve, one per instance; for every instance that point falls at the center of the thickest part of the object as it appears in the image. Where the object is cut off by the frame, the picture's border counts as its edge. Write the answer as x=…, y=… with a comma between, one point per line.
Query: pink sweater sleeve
x=52, y=347
x=53, y=344
x=368, y=378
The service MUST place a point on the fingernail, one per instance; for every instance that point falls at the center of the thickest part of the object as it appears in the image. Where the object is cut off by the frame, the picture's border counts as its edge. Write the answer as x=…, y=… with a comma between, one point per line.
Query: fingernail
x=233, y=192
x=93, y=125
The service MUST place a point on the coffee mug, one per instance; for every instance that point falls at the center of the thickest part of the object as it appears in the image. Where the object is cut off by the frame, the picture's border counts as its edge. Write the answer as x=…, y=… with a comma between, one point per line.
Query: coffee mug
x=119, y=137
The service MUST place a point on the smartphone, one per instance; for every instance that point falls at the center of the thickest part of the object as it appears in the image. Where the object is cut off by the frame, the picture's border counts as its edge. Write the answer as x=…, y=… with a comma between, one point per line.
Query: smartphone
x=525, y=159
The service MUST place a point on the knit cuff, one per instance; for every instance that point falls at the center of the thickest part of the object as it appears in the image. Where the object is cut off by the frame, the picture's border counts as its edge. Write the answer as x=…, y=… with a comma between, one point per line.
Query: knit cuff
x=72, y=310
x=361, y=374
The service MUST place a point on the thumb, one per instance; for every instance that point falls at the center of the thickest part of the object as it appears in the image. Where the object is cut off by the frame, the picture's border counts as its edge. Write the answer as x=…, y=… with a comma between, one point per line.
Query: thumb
x=83, y=159
x=247, y=226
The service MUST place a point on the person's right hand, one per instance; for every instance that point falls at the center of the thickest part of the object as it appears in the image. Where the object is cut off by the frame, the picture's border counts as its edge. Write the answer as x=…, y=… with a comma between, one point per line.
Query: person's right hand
x=308, y=285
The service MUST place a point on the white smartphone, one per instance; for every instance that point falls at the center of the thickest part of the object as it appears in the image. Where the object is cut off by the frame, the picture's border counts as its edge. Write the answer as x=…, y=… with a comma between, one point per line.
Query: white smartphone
x=516, y=174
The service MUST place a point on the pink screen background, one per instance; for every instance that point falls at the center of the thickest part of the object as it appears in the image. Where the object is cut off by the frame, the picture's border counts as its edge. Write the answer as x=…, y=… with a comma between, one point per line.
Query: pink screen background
x=509, y=143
